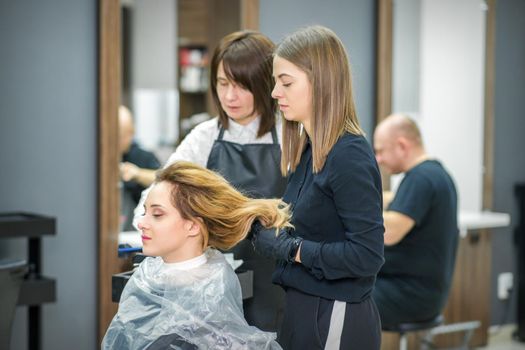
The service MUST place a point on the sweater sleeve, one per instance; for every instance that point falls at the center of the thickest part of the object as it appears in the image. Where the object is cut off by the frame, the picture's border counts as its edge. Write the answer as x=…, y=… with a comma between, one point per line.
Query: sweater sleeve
x=355, y=186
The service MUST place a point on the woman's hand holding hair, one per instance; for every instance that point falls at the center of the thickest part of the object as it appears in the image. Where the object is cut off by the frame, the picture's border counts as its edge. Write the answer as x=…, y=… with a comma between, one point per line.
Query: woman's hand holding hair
x=272, y=244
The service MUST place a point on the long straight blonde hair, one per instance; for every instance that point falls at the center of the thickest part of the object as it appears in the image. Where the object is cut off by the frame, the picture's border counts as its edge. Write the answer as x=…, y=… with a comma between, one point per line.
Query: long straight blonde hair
x=224, y=213
x=320, y=54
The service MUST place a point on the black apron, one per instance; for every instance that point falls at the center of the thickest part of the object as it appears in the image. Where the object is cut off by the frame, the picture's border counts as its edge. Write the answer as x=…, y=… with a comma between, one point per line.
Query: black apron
x=255, y=170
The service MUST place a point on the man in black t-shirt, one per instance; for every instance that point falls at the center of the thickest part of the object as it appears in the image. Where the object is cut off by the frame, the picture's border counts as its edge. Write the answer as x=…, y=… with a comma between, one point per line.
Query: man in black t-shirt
x=137, y=168
x=421, y=231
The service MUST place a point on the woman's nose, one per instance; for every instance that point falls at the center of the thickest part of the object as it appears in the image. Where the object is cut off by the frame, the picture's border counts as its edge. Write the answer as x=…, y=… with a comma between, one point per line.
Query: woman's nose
x=231, y=93
x=275, y=92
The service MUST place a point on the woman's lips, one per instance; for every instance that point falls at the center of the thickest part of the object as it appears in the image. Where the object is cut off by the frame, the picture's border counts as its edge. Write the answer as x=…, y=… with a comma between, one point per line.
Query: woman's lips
x=145, y=238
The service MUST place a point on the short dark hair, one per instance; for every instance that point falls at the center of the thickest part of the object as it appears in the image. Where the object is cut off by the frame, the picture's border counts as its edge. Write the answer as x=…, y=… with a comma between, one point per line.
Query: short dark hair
x=246, y=57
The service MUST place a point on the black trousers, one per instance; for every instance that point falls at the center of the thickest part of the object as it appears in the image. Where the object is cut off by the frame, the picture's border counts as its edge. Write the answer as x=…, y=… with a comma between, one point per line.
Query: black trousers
x=312, y=322
x=399, y=301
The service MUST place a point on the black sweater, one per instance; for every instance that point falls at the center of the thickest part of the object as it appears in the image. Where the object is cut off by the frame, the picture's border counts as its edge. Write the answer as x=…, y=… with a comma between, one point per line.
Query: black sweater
x=338, y=213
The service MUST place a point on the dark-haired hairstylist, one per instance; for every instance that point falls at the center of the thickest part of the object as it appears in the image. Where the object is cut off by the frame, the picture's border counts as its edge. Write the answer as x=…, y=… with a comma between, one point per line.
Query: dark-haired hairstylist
x=242, y=144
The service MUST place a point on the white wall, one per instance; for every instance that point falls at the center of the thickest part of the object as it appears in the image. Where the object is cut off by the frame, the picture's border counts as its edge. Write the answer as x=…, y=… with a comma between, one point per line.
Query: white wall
x=154, y=72
x=451, y=82
x=154, y=44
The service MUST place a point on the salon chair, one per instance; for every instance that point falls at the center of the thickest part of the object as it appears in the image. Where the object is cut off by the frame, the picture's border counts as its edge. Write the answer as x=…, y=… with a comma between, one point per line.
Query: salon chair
x=432, y=328
x=404, y=328
x=12, y=273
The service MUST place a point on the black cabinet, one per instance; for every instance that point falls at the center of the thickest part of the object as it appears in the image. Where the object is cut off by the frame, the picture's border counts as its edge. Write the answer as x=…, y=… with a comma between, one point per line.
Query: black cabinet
x=35, y=289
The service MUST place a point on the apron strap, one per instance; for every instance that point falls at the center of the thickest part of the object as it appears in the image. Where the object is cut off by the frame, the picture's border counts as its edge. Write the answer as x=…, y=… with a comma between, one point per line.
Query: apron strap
x=274, y=136
x=221, y=133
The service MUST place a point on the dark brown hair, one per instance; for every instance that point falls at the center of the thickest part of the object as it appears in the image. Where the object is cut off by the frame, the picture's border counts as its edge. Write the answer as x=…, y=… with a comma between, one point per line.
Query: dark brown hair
x=246, y=57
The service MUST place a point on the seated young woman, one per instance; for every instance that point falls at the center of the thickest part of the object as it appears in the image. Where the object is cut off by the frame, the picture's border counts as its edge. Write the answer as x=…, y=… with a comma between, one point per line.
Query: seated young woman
x=185, y=295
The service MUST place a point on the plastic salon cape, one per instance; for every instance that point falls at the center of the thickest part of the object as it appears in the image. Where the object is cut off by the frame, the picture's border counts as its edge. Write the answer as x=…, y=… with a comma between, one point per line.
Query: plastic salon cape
x=199, y=308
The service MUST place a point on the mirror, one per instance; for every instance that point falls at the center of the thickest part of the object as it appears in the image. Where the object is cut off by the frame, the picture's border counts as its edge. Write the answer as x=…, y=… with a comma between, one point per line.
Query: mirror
x=165, y=44
x=436, y=63
x=148, y=124
x=165, y=50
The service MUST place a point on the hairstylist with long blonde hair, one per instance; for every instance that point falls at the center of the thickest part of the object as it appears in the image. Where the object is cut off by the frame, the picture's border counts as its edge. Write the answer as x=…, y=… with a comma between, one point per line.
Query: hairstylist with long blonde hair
x=328, y=263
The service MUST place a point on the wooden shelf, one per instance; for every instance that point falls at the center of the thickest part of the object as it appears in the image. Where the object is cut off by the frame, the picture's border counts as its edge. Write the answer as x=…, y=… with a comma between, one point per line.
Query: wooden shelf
x=201, y=25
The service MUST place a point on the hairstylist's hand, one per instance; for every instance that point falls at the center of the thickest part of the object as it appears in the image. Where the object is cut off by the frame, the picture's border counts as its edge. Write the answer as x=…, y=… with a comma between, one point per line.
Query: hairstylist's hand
x=128, y=171
x=281, y=246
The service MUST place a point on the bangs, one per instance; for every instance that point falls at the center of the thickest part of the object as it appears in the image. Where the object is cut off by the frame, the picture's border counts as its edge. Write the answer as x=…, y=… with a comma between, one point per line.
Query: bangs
x=243, y=61
x=238, y=66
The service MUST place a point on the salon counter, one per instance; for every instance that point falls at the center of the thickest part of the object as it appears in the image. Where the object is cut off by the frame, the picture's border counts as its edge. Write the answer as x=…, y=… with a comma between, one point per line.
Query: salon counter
x=477, y=220
x=469, y=297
